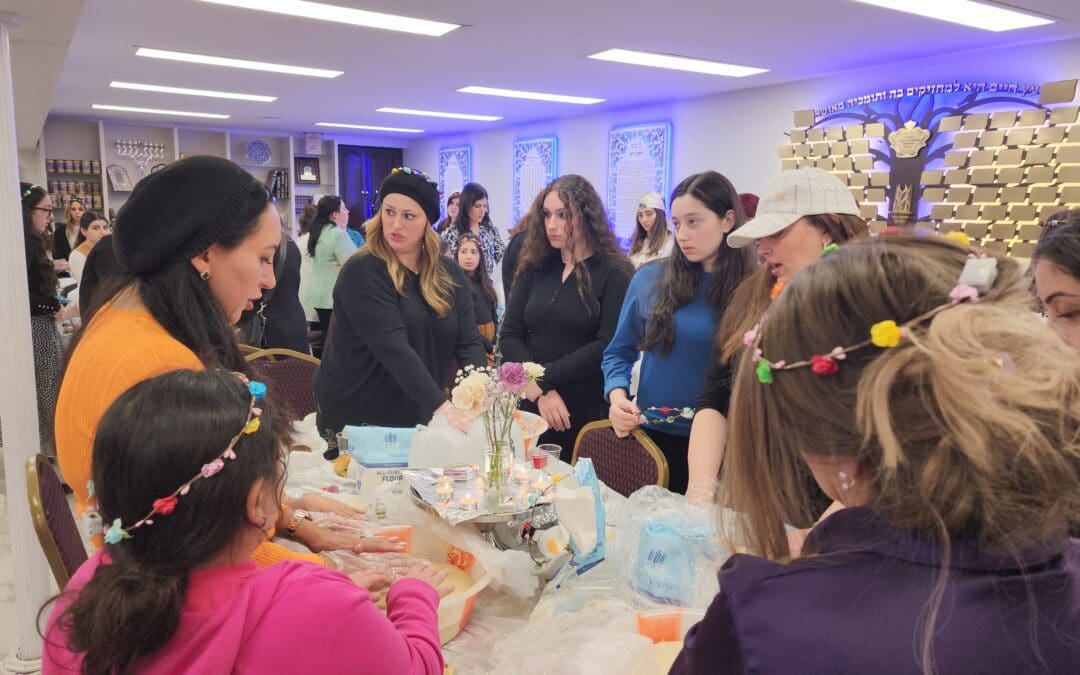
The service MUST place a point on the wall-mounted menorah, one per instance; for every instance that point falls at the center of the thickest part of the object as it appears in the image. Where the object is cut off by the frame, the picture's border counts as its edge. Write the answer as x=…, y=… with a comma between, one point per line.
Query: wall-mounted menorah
x=140, y=152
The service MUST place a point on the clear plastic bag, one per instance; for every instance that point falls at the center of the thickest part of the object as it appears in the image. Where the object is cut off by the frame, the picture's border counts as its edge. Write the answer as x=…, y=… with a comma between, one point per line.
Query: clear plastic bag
x=668, y=551
x=600, y=639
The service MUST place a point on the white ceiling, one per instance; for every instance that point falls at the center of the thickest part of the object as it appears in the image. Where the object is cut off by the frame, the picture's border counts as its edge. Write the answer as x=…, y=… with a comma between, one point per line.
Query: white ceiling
x=524, y=44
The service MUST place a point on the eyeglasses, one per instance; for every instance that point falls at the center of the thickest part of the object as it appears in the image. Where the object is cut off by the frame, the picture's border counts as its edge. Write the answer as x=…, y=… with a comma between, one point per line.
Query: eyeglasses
x=40, y=208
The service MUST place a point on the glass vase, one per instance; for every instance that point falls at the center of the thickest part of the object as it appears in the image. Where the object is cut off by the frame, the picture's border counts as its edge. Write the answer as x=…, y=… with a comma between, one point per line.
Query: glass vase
x=496, y=471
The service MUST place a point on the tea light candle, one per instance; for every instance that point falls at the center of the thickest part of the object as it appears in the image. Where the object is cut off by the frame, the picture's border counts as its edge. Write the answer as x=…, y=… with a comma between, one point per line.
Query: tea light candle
x=444, y=481
x=478, y=484
x=538, y=485
x=444, y=493
x=467, y=502
x=521, y=474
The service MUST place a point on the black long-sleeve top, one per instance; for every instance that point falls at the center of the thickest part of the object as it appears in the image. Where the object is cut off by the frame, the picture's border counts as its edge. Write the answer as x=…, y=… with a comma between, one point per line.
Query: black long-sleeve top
x=286, y=324
x=716, y=390
x=546, y=322
x=390, y=354
x=510, y=261
x=41, y=303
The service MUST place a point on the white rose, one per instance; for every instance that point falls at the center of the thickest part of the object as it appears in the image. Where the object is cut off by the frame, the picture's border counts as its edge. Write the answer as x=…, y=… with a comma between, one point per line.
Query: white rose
x=535, y=370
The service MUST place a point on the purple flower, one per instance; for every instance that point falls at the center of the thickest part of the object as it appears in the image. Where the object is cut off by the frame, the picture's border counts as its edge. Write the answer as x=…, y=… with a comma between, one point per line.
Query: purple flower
x=513, y=378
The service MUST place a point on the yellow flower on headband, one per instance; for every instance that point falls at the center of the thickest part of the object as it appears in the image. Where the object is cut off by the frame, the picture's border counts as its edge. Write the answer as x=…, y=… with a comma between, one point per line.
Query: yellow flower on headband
x=959, y=238
x=252, y=426
x=885, y=334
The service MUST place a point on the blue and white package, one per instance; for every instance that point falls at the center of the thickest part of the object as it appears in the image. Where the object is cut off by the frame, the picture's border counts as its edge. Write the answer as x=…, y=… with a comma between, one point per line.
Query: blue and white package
x=585, y=474
x=380, y=446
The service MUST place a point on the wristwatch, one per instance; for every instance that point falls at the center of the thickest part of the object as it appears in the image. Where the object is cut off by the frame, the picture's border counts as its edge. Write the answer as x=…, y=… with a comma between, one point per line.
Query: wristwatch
x=298, y=516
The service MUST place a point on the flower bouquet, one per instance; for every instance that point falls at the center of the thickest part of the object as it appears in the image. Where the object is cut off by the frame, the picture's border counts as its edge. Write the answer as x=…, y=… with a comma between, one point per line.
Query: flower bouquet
x=493, y=394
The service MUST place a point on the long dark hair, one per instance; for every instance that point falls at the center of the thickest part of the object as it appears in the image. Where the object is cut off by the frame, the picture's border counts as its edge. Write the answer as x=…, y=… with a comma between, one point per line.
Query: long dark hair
x=682, y=277
x=40, y=274
x=327, y=207
x=150, y=441
x=446, y=222
x=478, y=277
x=470, y=194
x=588, y=220
x=182, y=302
x=654, y=239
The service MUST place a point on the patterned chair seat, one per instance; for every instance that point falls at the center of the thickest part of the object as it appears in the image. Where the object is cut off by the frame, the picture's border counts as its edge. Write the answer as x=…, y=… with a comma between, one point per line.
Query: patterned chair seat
x=623, y=464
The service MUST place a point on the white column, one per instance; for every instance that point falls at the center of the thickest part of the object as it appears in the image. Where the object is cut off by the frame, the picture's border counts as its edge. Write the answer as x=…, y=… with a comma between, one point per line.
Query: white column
x=18, y=401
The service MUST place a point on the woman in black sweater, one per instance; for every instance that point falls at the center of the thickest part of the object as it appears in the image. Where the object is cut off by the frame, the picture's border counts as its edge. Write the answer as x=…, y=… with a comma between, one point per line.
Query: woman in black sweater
x=470, y=258
x=568, y=291
x=402, y=315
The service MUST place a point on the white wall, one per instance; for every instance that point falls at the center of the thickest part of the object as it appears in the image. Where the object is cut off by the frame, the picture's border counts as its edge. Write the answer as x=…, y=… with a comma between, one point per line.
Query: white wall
x=738, y=133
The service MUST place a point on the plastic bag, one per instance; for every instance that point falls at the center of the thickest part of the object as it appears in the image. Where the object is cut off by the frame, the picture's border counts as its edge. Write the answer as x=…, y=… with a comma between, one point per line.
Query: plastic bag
x=306, y=437
x=439, y=444
x=668, y=551
x=558, y=645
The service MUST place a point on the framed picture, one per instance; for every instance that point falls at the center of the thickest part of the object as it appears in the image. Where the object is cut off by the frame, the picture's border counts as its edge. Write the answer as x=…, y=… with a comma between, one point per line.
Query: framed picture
x=307, y=170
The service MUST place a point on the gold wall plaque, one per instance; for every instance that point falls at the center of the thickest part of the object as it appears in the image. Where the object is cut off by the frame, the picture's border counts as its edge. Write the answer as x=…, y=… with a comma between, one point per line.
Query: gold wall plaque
x=1062, y=91
x=950, y=123
x=798, y=136
x=1019, y=136
x=1068, y=174
x=931, y=177
x=1029, y=232
x=1022, y=249
x=860, y=179
x=1039, y=174
x=942, y=211
x=934, y=194
x=985, y=195
x=956, y=177
x=1014, y=195
x=993, y=212
x=1013, y=174
x=908, y=141
x=844, y=164
x=1009, y=157
x=834, y=133
x=804, y=118
x=958, y=195
x=1033, y=118
x=853, y=131
x=966, y=139
x=956, y=159
x=1068, y=154
x=875, y=195
x=976, y=121
x=875, y=130
x=983, y=175
x=975, y=230
x=864, y=163
x=1050, y=135
x=1003, y=120
x=991, y=139
x=1065, y=115
x=1021, y=211
x=967, y=212
x=815, y=135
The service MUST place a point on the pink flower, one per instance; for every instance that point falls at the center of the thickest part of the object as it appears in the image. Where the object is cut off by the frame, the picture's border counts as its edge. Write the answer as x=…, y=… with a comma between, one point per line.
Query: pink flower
x=212, y=468
x=962, y=292
x=749, y=336
x=512, y=377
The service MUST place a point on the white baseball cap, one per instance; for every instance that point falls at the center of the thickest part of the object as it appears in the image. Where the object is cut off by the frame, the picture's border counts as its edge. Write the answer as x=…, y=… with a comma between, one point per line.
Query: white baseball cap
x=651, y=200
x=794, y=194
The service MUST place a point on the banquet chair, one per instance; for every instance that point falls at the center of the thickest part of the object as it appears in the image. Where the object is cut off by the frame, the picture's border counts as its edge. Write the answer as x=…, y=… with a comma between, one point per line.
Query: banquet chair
x=623, y=464
x=57, y=531
x=247, y=349
x=288, y=376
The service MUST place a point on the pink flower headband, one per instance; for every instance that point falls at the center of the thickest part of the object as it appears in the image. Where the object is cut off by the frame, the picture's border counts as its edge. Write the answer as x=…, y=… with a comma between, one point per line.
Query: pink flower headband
x=165, y=505
x=976, y=279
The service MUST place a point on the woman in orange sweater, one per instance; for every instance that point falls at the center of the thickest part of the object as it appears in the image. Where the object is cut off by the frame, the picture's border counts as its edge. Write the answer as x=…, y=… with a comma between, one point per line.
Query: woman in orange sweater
x=196, y=243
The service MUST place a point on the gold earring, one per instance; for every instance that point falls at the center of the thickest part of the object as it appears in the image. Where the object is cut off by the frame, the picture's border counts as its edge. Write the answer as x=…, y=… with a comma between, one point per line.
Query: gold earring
x=205, y=276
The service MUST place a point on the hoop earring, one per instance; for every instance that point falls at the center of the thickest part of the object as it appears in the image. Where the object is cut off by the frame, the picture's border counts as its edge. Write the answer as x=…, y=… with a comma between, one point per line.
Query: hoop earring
x=205, y=276
x=846, y=481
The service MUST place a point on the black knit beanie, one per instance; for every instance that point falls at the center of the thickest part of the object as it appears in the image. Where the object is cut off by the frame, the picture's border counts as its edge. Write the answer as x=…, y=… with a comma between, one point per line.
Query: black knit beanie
x=178, y=212
x=415, y=185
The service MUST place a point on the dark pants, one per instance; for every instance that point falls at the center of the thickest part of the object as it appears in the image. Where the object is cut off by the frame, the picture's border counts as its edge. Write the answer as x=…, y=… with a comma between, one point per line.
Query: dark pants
x=580, y=415
x=324, y=321
x=675, y=449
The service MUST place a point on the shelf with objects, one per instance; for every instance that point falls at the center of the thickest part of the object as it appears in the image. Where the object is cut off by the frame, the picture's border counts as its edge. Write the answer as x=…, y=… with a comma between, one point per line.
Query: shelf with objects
x=130, y=152
x=73, y=167
x=314, y=169
x=269, y=159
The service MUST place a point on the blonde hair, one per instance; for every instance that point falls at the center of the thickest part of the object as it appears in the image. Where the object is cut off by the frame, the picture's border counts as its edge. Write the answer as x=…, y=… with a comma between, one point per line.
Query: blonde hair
x=436, y=285
x=67, y=210
x=968, y=429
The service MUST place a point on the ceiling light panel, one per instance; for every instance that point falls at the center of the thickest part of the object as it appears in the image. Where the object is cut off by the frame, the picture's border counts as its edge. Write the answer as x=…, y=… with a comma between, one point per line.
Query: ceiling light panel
x=344, y=15
x=431, y=113
x=192, y=92
x=156, y=111
x=204, y=59
x=368, y=127
x=965, y=12
x=673, y=62
x=531, y=95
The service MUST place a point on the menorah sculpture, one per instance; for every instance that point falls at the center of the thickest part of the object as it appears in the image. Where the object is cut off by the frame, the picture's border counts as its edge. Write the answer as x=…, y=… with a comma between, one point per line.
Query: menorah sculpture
x=140, y=152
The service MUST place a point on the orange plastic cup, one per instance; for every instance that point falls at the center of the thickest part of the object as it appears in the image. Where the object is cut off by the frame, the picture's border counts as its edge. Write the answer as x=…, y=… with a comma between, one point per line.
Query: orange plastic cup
x=404, y=534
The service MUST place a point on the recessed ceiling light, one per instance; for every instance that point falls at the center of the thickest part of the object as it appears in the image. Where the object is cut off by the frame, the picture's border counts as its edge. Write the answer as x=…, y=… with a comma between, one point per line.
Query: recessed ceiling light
x=346, y=15
x=236, y=63
x=676, y=63
x=367, y=127
x=535, y=96
x=192, y=92
x=964, y=12
x=429, y=113
x=155, y=111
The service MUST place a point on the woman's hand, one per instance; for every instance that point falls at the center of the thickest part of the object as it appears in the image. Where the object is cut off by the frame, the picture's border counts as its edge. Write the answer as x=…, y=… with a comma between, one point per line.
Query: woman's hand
x=61, y=266
x=433, y=577
x=553, y=410
x=322, y=504
x=456, y=417
x=533, y=391
x=69, y=311
x=320, y=539
x=624, y=415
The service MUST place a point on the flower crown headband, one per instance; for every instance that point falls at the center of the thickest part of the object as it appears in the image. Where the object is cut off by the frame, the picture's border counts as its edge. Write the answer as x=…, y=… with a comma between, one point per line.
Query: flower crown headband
x=976, y=279
x=165, y=505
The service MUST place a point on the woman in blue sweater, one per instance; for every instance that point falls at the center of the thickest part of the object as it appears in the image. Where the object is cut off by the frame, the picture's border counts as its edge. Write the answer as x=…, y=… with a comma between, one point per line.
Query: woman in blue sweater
x=671, y=312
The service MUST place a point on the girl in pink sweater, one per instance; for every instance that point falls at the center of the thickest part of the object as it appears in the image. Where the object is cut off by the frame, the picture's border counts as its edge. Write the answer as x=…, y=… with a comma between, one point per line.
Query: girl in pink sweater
x=189, y=471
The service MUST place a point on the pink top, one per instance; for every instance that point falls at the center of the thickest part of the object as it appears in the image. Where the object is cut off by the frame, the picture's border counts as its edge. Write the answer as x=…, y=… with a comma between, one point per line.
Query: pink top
x=293, y=617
